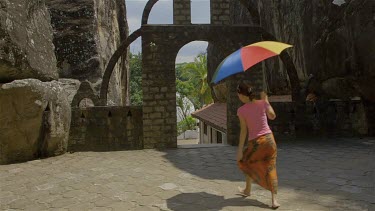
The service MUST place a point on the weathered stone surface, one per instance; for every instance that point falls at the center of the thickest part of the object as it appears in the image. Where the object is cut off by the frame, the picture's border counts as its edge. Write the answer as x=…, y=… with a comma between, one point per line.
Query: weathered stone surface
x=35, y=120
x=70, y=86
x=331, y=40
x=319, y=174
x=87, y=32
x=26, y=48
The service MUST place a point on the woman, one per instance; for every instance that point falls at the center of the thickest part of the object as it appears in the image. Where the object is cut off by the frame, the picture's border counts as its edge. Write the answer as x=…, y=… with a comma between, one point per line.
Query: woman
x=258, y=160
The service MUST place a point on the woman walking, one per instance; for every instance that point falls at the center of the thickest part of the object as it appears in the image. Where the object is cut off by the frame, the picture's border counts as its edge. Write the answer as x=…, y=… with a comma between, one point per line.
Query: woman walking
x=258, y=159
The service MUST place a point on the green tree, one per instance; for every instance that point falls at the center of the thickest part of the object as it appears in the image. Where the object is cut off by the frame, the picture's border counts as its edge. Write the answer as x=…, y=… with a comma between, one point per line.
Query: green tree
x=187, y=121
x=135, y=82
x=194, y=81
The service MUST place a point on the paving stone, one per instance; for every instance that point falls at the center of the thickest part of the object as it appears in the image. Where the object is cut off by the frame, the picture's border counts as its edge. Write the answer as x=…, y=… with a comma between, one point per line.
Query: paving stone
x=183, y=179
x=19, y=204
x=168, y=186
x=119, y=206
x=62, y=202
x=36, y=207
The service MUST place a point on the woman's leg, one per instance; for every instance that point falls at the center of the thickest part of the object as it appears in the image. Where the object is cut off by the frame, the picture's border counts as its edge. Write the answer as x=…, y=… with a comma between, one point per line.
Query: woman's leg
x=248, y=184
x=275, y=204
x=247, y=190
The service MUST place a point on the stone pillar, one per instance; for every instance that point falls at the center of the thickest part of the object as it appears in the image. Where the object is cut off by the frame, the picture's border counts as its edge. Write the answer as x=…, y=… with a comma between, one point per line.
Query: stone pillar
x=220, y=14
x=181, y=12
x=159, y=92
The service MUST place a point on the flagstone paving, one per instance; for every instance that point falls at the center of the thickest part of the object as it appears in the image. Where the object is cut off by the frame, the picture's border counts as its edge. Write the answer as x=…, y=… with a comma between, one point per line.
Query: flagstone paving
x=327, y=174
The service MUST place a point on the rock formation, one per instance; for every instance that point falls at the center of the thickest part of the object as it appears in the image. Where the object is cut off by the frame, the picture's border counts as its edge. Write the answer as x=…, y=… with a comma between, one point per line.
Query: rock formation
x=26, y=49
x=34, y=113
x=35, y=120
x=333, y=42
x=86, y=33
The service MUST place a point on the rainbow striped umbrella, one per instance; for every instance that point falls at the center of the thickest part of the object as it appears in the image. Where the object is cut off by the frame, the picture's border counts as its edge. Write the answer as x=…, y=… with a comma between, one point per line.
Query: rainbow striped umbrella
x=246, y=57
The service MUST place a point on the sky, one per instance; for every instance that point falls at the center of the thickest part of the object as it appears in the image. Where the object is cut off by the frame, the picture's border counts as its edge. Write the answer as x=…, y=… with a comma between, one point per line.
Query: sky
x=162, y=13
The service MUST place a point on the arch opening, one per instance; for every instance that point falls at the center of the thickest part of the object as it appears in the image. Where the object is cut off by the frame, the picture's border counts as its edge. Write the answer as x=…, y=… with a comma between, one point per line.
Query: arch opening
x=193, y=93
x=200, y=12
x=162, y=13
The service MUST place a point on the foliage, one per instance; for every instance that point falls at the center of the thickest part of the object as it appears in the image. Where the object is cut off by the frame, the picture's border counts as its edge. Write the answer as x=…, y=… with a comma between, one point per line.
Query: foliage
x=135, y=82
x=186, y=124
x=192, y=81
x=184, y=107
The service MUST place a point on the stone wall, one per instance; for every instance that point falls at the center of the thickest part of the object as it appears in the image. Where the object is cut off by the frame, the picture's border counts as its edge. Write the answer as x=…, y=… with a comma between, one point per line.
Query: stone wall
x=159, y=79
x=87, y=32
x=220, y=13
x=106, y=129
x=330, y=118
x=181, y=12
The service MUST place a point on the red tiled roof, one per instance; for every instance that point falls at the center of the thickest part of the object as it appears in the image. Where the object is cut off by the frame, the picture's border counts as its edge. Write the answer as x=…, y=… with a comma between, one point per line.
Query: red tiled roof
x=214, y=115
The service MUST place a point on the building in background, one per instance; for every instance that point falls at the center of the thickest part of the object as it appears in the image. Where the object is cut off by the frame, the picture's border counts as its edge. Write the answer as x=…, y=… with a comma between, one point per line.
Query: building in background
x=212, y=123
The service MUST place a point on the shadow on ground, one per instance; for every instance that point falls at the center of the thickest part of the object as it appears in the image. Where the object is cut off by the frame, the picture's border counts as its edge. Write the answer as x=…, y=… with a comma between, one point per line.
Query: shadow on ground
x=323, y=169
x=206, y=201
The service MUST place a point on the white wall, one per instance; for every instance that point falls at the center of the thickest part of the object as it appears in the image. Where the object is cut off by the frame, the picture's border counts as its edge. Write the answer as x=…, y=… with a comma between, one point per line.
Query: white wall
x=210, y=137
x=189, y=134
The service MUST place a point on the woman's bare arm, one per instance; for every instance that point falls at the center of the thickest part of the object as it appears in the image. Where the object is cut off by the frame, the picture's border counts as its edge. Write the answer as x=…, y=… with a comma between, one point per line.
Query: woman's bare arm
x=269, y=110
x=242, y=140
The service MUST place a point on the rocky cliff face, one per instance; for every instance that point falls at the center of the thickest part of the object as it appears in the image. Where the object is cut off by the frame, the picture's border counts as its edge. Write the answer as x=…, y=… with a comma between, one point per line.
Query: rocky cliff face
x=34, y=110
x=86, y=33
x=333, y=40
x=333, y=49
x=26, y=49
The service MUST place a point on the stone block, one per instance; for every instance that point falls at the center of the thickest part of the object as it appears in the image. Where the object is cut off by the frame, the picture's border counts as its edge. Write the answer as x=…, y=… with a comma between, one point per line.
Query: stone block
x=155, y=115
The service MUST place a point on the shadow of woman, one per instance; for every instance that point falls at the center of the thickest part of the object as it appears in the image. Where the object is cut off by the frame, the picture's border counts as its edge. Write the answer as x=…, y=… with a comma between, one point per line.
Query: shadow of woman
x=207, y=201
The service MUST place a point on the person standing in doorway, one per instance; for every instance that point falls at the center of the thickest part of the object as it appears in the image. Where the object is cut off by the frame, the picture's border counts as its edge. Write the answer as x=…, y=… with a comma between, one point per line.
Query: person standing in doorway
x=258, y=159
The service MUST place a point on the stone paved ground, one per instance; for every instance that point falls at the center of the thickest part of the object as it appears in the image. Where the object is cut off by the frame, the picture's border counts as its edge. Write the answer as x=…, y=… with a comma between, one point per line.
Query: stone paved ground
x=188, y=142
x=313, y=175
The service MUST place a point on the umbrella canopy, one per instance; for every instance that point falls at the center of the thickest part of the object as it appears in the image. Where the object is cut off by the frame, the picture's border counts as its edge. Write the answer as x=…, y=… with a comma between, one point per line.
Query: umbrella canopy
x=246, y=57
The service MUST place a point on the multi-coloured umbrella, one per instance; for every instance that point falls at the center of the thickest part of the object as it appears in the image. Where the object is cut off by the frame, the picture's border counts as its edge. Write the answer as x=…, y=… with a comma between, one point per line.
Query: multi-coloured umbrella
x=246, y=57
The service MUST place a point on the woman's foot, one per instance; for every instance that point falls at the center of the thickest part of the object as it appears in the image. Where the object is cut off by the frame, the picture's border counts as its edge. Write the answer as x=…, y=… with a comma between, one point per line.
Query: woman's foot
x=275, y=205
x=243, y=192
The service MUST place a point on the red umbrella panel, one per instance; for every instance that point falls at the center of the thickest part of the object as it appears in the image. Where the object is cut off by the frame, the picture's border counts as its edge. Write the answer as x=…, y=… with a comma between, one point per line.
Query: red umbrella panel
x=246, y=57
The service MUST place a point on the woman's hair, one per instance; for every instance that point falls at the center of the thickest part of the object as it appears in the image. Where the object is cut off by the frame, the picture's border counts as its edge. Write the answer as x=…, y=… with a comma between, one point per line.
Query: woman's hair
x=245, y=89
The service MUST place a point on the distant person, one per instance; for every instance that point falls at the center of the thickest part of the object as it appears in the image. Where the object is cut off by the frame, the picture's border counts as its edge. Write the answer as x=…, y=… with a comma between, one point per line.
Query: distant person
x=258, y=159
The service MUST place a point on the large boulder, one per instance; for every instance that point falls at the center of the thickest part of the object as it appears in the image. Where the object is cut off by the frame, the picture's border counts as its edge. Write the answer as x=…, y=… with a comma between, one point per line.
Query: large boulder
x=26, y=49
x=35, y=120
x=87, y=32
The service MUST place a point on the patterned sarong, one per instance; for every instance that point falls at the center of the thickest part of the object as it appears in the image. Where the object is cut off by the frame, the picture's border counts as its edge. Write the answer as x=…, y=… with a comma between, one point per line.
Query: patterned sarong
x=259, y=162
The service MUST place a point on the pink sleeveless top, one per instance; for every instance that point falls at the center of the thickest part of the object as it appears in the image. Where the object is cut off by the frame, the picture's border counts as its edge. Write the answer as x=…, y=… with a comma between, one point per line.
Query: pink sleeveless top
x=256, y=118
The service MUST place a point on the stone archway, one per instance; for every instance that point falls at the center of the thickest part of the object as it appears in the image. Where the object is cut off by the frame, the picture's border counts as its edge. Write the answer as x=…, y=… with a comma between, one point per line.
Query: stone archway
x=121, y=51
x=180, y=4
x=160, y=45
x=159, y=88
